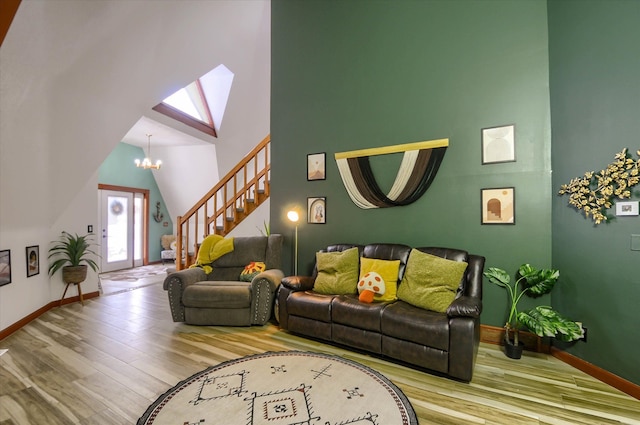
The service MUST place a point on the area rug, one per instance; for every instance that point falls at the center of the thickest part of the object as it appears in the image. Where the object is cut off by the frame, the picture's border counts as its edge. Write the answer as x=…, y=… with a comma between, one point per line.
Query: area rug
x=283, y=388
x=138, y=273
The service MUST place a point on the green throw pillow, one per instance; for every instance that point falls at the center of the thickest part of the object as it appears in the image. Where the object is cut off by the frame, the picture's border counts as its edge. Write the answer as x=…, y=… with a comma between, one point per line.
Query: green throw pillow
x=337, y=272
x=430, y=282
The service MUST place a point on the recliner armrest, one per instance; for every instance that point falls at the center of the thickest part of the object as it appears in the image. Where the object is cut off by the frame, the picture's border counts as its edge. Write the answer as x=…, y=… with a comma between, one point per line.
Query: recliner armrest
x=298, y=283
x=465, y=307
x=175, y=284
x=273, y=276
x=185, y=277
x=263, y=288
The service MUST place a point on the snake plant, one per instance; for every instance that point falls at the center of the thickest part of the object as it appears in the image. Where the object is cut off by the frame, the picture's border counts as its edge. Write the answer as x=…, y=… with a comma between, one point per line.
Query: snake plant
x=541, y=320
x=71, y=250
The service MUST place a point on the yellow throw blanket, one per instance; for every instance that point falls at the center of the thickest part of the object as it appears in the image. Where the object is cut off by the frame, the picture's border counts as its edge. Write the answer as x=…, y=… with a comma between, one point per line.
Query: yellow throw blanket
x=212, y=248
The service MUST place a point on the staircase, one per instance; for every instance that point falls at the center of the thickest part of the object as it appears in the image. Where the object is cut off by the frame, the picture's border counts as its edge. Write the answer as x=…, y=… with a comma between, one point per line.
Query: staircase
x=230, y=201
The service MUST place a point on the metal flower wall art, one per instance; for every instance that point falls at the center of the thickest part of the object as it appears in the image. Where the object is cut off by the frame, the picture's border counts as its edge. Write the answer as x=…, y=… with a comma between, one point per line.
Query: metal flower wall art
x=594, y=192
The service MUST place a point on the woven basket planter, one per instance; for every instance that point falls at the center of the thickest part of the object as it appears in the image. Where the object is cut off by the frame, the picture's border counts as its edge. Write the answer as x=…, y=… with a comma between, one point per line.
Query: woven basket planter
x=74, y=274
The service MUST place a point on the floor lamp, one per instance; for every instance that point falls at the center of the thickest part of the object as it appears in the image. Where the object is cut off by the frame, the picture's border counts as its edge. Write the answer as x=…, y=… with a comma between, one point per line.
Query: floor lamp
x=293, y=216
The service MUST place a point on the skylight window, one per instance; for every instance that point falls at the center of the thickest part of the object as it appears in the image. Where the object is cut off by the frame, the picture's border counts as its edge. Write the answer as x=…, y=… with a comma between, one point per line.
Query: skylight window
x=202, y=103
x=181, y=100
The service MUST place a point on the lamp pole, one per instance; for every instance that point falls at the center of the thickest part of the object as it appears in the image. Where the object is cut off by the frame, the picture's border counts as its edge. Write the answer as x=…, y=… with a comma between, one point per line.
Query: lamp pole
x=293, y=216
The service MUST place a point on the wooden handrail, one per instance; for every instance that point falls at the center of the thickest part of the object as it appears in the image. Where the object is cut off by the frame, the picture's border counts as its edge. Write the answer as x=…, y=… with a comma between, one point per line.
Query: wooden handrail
x=230, y=207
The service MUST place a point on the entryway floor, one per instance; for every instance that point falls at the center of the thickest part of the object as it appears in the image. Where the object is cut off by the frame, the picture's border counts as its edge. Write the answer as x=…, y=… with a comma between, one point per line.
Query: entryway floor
x=129, y=279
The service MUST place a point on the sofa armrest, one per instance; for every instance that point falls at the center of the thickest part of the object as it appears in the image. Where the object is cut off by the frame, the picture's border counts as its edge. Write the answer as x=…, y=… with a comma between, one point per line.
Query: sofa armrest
x=298, y=283
x=465, y=307
x=185, y=277
x=272, y=276
x=263, y=288
x=464, y=339
x=175, y=284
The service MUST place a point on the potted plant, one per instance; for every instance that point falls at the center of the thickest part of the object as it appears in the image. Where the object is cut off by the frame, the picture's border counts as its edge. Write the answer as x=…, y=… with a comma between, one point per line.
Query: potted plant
x=541, y=320
x=71, y=254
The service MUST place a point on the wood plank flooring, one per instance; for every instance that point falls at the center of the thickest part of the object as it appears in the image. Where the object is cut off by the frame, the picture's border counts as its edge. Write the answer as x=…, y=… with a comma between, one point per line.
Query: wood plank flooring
x=104, y=363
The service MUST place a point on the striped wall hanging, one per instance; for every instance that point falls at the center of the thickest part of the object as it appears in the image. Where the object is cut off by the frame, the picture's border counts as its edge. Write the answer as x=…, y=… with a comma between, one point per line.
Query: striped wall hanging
x=418, y=168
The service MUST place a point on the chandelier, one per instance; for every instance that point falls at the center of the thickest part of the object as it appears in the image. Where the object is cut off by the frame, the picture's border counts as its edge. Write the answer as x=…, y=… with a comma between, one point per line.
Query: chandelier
x=146, y=162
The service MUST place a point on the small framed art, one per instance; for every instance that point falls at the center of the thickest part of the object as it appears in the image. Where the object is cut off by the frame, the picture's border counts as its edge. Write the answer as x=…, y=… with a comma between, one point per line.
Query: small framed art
x=33, y=260
x=317, y=210
x=316, y=166
x=498, y=205
x=627, y=208
x=498, y=144
x=5, y=267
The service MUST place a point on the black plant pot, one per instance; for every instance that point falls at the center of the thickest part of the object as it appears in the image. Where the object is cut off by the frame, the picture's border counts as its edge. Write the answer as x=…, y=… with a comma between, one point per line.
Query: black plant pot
x=513, y=351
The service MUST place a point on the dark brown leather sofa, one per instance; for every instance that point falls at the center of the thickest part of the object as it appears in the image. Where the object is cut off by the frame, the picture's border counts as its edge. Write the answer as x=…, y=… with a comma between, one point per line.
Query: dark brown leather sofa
x=446, y=343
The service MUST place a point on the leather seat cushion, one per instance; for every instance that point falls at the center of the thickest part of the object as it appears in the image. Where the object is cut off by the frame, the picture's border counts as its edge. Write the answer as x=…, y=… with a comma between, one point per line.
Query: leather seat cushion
x=217, y=295
x=311, y=305
x=348, y=310
x=404, y=321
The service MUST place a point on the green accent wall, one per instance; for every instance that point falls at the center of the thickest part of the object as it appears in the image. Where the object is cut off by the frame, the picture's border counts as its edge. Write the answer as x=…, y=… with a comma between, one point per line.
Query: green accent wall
x=595, y=99
x=119, y=170
x=364, y=74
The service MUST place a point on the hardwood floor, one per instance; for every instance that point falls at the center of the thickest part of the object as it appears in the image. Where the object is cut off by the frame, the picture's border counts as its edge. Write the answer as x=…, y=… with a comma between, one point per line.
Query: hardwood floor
x=104, y=363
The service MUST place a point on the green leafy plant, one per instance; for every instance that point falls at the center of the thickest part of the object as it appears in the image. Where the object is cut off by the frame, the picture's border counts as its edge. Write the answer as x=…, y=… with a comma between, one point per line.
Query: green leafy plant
x=266, y=231
x=71, y=250
x=541, y=320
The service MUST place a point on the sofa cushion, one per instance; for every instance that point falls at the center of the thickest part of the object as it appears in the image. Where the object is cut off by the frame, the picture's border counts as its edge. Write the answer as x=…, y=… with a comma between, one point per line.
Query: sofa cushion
x=217, y=295
x=347, y=310
x=430, y=281
x=388, y=270
x=310, y=305
x=337, y=272
x=404, y=321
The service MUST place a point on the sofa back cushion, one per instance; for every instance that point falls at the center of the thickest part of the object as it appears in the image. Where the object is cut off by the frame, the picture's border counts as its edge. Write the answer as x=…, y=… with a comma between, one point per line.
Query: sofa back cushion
x=389, y=251
x=265, y=249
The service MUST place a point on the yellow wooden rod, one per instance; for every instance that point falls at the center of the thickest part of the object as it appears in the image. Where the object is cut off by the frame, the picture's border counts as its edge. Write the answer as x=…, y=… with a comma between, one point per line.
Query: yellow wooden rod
x=428, y=144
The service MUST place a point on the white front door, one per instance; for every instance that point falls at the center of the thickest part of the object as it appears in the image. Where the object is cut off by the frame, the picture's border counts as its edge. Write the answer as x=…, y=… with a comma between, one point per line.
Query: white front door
x=117, y=230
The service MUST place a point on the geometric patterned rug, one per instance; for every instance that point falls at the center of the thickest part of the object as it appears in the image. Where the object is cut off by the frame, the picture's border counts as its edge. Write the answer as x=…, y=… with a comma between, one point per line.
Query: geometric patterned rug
x=283, y=388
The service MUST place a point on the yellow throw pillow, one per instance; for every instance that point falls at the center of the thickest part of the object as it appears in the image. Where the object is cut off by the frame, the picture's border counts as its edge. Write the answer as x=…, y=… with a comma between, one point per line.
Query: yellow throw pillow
x=337, y=272
x=388, y=270
x=430, y=282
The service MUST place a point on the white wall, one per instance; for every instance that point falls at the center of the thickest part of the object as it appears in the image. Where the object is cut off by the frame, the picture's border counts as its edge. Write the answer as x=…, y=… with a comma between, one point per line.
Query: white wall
x=75, y=76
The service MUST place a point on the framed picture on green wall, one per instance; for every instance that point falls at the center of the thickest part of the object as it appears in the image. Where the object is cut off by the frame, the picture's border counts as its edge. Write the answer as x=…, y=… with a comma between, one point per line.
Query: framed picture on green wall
x=317, y=210
x=316, y=166
x=498, y=144
x=498, y=205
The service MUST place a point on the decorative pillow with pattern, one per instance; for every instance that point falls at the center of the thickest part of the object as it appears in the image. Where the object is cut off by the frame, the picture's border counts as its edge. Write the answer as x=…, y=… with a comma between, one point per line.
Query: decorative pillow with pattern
x=251, y=270
x=387, y=270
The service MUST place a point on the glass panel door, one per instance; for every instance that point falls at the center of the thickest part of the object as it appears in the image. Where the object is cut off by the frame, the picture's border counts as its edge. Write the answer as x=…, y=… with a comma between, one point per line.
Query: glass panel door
x=117, y=230
x=138, y=229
